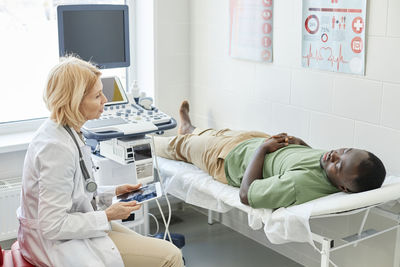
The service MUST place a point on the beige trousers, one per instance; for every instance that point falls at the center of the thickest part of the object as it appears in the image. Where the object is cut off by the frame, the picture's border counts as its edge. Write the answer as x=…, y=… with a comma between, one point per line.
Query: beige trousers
x=206, y=149
x=138, y=250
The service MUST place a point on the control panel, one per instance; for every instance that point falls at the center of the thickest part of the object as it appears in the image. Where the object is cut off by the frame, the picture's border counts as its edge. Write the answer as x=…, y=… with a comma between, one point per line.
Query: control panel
x=124, y=118
x=135, y=114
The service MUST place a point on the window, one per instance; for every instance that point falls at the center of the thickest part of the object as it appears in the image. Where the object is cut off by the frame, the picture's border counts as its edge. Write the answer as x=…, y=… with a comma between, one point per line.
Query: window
x=28, y=50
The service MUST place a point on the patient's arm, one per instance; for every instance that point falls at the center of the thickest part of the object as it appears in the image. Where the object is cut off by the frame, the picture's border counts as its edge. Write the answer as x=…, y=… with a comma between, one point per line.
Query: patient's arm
x=255, y=167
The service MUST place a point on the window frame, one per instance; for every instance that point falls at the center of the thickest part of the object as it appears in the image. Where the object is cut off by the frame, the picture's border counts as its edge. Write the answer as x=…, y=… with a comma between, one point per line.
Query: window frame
x=31, y=125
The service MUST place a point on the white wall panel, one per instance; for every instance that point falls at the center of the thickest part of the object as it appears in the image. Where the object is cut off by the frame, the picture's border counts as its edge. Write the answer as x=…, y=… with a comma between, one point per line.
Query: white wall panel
x=272, y=83
x=284, y=14
x=239, y=77
x=217, y=41
x=287, y=29
x=199, y=39
x=173, y=11
x=330, y=132
x=172, y=49
x=198, y=104
x=393, y=18
x=383, y=59
x=210, y=76
x=376, y=16
x=175, y=38
x=253, y=115
x=291, y=120
x=357, y=99
x=286, y=50
x=312, y=90
x=170, y=97
x=173, y=70
x=391, y=106
x=383, y=142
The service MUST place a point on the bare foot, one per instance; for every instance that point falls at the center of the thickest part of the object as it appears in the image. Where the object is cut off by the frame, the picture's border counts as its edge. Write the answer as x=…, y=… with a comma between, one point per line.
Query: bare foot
x=185, y=126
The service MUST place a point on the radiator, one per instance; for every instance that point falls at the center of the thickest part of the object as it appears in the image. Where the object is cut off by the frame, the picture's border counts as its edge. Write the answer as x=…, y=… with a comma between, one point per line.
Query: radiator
x=10, y=190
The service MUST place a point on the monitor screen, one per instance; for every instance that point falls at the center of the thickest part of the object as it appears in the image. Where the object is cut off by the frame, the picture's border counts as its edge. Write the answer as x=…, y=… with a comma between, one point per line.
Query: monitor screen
x=96, y=33
x=113, y=91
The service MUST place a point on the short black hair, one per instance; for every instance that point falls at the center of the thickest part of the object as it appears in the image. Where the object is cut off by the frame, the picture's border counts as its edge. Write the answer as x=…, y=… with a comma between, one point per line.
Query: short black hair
x=371, y=172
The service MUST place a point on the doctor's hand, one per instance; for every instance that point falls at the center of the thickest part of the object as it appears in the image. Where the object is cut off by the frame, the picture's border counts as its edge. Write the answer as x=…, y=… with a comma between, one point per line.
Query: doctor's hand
x=126, y=188
x=121, y=210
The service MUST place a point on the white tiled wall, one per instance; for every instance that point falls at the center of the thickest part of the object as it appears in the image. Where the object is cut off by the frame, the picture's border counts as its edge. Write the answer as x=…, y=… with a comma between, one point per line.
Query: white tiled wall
x=357, y=99
x=391, y=107
x=328, y=110
x=172, y=72
x=393, y=19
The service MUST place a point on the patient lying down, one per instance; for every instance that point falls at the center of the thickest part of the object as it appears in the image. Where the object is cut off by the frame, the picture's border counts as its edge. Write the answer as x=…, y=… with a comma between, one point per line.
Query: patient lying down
x=271, y=171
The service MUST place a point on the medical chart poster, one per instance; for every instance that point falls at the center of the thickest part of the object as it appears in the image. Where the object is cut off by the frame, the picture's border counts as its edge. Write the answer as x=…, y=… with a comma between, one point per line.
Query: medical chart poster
x=334, y=35
x=250, y=34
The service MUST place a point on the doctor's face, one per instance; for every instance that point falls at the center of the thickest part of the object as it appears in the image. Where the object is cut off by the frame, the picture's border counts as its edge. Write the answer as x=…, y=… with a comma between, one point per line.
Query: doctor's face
x=93, y=103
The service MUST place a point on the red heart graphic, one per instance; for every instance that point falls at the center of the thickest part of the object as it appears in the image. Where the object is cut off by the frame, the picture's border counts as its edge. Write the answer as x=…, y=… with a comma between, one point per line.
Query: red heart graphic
x=325, y=52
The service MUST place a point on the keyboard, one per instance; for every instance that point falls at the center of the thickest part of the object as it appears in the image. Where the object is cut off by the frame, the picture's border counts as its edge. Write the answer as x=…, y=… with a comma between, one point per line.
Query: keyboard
x=104, y=122
x=128, y=119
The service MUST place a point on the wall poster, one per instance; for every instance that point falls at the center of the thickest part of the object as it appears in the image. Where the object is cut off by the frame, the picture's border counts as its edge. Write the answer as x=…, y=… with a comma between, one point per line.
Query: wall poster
x=250, y=34
x=334, y=35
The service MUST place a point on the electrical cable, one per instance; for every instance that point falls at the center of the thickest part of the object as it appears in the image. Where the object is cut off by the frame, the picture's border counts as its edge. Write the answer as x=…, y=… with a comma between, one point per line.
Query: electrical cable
x=157, y=224
x=166, y=198
x=165, y=223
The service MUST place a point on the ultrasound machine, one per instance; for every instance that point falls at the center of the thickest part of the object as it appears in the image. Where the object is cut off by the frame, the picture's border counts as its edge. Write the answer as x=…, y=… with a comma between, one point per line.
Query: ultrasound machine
x=122, y=149
x=124, y=117
x=120, y=135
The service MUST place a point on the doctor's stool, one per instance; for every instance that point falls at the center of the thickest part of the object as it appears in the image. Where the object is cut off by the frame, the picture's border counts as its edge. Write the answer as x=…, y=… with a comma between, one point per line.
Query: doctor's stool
x=13, y=257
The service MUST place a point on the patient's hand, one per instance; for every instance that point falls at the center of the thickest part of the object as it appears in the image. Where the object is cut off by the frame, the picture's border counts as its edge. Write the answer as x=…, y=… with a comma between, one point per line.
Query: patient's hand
x=292, y=139
x=274, y=143
x=295, y=140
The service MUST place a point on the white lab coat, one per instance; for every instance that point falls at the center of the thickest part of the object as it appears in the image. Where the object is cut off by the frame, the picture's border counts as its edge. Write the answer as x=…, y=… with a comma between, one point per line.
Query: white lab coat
x=58, y=226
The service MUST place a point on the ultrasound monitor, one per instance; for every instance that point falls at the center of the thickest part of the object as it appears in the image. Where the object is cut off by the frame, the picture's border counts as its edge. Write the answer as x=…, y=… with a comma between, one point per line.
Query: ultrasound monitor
x=96, y=33
x=113, y=91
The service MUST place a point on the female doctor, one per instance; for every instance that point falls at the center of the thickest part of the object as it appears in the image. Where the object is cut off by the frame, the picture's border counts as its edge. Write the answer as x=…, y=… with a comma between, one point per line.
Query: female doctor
x=59, y=224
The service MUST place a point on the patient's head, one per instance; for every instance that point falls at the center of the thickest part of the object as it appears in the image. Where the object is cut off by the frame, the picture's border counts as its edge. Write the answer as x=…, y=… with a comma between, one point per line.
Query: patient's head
x=353, y=170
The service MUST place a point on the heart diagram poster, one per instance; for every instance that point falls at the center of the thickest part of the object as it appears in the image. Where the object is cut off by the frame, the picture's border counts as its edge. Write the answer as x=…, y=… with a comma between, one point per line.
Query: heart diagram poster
x=250, y=34
x=334, y=35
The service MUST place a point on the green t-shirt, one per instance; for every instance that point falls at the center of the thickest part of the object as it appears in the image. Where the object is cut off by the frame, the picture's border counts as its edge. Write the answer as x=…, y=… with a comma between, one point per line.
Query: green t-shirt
x=291, y=175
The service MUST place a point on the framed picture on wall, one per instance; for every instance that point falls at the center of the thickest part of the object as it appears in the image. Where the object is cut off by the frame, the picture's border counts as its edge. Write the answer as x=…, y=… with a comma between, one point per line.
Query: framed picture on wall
x=250, y=35
x=334, y=35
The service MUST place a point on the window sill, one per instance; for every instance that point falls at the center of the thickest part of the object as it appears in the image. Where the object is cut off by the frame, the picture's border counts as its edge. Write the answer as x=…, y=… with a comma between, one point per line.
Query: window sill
x=15, y=141
x=16, y=136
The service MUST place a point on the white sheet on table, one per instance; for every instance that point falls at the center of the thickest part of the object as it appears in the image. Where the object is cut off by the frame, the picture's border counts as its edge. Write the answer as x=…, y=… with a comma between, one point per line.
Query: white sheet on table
x=283, y=225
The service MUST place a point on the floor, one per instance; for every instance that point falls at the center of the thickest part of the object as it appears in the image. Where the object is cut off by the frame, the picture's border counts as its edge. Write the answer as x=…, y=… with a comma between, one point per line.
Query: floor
x=215, y=245
x=6, y=244
x=218, y=246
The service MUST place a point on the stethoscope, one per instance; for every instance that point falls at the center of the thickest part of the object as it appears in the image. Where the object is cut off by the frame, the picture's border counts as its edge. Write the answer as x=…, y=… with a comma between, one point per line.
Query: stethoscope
x=90, y=184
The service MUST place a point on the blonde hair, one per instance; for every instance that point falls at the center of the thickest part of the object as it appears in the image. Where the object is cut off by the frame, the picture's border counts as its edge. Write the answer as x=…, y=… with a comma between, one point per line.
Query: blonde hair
x=67, y=84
